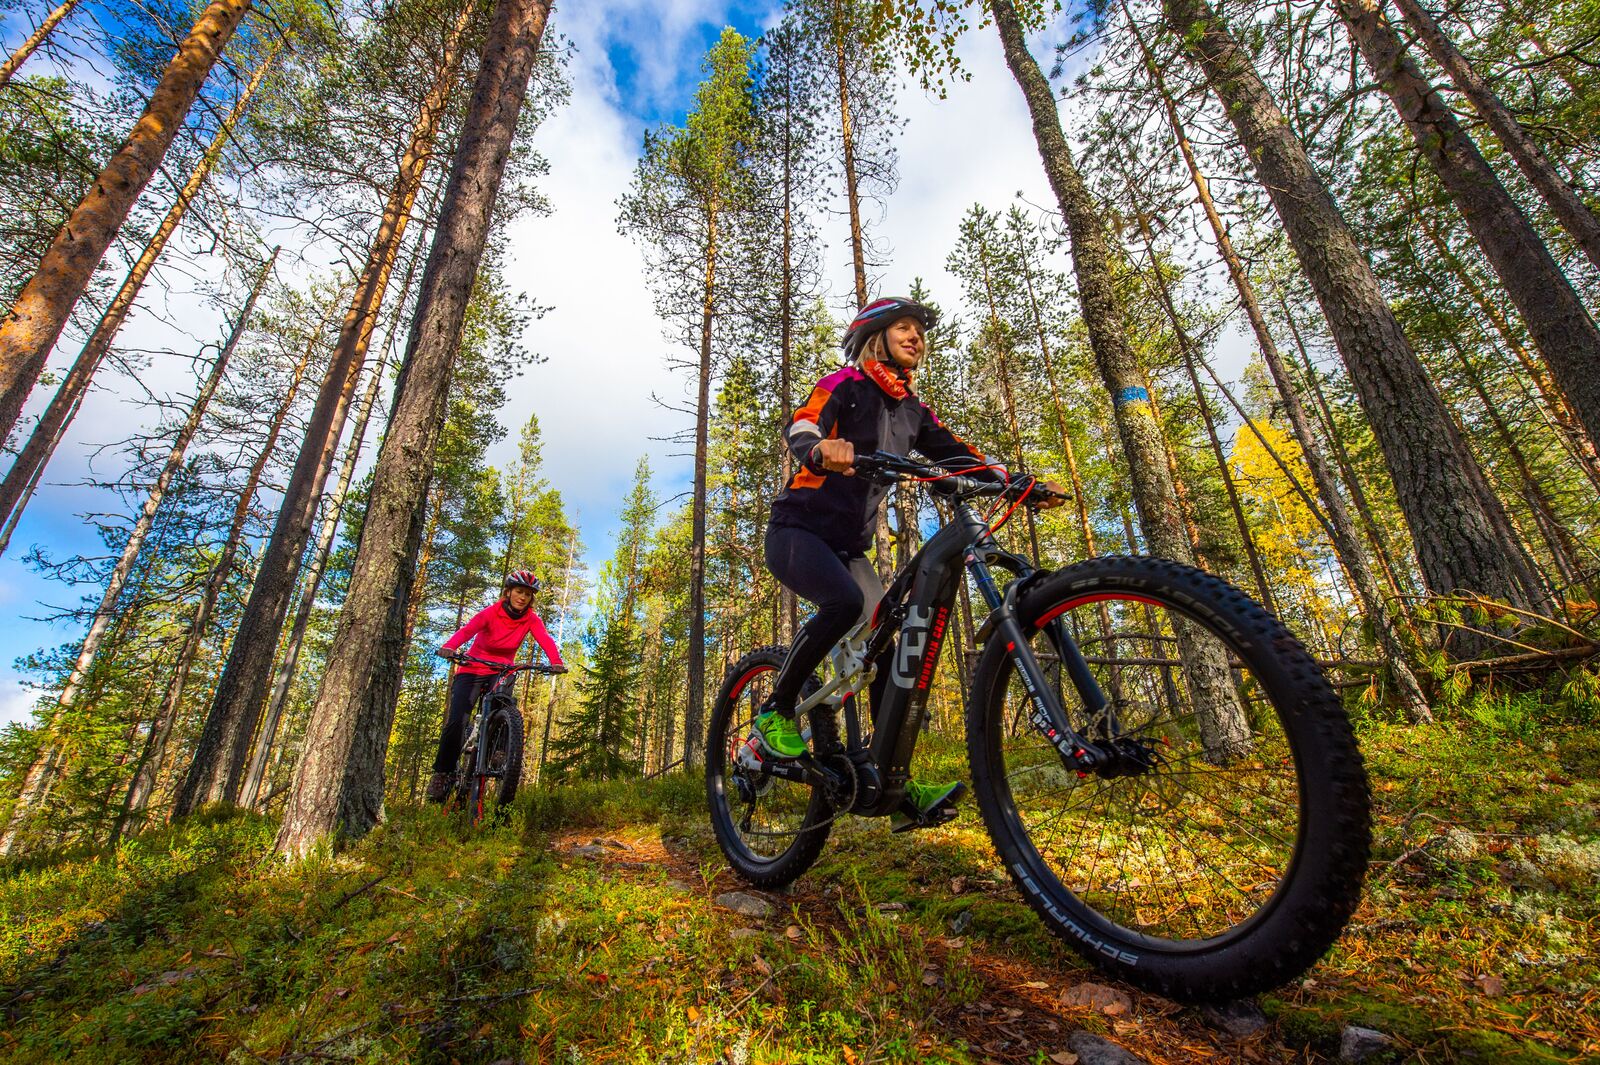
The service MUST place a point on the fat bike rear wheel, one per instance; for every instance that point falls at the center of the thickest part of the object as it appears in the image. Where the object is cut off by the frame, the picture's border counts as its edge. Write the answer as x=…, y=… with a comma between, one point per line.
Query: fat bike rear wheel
x=770, y=829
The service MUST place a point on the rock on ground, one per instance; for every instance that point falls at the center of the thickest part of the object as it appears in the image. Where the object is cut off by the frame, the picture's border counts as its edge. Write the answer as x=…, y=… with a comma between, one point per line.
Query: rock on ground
x=1094, y=1050
x=745, y=905
x=1359, y=1044
x=1240, y=1019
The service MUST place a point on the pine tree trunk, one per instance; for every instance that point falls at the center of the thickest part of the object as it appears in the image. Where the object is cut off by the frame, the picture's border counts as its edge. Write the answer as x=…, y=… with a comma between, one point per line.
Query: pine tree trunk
x=218, y=767
x=35, y=39
x=561, y=632
x=1557, y=409
x=1457, y=524
x=1556, y=318
x=1007, y=393
x=53, y=422
x=150, y=759
x=333, y=777
x=1372, y=530
x=1558, y=541
x=31, y=327
x=33, y=479
x=38, y=779
x=1341, y=528
x=1047, y=359
x=283, y=676
x=1186, y=348
x=788, y=604
x=1564, y=202
x=1224, y=728
x=852, y=191
x=697, y=548
x=1342, y=531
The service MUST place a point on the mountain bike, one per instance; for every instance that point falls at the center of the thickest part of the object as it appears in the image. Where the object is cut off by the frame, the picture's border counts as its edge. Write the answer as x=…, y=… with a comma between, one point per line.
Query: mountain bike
x=1164, y=772
x=490, y=765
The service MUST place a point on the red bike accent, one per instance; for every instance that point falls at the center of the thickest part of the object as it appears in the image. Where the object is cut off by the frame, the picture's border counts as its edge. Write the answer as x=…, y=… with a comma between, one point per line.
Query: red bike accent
x=1056, y=611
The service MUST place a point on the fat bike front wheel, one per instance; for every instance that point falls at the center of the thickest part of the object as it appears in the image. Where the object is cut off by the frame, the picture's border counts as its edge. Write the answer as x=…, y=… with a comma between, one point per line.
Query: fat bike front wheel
x=1221, y=852
x=770, y=829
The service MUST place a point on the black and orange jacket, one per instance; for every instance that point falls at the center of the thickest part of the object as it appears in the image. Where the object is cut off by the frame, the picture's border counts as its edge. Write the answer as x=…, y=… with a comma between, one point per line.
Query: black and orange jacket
x=850, y=405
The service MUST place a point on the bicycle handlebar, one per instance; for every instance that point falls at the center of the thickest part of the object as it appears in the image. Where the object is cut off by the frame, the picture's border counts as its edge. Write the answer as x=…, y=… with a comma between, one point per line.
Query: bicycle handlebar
x=499, y=667
x=889, y=467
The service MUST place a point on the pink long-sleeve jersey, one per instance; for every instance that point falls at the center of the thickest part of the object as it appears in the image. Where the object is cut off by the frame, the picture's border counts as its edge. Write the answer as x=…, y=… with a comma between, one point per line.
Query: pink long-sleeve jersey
x=498, y=635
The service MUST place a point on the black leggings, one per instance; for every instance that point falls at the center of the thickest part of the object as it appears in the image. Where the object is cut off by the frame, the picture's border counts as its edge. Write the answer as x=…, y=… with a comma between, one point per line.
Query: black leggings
x=464, y=692
x=843, y=586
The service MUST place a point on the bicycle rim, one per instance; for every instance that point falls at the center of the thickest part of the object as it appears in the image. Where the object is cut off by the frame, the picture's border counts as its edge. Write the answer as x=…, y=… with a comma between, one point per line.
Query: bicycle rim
x=1195, y=842
x=765, y=815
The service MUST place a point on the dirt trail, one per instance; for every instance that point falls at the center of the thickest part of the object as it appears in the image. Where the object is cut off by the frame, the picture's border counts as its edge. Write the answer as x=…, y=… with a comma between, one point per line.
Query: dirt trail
x=1025, y=1008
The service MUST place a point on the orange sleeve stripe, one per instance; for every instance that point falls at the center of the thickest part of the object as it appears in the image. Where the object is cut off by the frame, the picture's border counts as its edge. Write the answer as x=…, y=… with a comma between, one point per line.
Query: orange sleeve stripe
x=812, y=411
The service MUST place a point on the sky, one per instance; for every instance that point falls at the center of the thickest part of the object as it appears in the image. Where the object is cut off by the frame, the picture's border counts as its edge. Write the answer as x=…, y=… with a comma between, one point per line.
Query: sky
x=603, y=393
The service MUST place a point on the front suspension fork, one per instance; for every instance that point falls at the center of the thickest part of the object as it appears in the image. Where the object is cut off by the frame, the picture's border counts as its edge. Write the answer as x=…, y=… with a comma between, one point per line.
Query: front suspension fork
x=1045, y=713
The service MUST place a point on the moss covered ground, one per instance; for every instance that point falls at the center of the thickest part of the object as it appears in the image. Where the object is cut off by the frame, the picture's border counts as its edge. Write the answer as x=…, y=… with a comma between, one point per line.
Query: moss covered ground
x=586, y=929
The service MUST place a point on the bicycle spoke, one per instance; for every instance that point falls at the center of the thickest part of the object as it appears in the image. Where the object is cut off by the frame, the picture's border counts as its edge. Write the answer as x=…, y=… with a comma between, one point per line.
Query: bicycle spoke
x=1182, y=842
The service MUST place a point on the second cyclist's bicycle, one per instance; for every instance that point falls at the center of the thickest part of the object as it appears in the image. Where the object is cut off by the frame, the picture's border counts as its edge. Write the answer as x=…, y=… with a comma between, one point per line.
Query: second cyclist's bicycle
x=1165, y=773
x=490, y=766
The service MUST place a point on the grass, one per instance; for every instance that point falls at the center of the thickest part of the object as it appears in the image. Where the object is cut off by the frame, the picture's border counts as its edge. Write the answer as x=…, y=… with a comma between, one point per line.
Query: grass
x=431, y=942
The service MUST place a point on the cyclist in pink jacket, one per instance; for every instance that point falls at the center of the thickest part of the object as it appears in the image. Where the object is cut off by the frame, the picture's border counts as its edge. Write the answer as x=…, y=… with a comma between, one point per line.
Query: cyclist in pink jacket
x=497, y=633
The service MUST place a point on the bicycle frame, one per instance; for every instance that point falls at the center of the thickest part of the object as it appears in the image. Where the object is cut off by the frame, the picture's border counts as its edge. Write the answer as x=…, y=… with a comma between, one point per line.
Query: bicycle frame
x=500, y=689
x=905, y=635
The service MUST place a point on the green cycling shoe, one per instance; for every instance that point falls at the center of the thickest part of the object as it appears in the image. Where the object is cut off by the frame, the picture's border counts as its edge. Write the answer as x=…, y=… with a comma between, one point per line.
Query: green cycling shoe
x=926, y=805
x=779, y=735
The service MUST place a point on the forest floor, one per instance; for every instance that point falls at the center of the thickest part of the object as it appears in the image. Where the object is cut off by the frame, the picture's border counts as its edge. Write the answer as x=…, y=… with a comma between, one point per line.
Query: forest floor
x=588, y=929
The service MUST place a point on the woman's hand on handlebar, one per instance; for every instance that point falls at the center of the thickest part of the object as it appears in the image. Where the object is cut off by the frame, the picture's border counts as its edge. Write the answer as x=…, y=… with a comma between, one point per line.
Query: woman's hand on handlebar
x=1040, y=495
x=1051, y=495
x=449, y=654
x=835, y=456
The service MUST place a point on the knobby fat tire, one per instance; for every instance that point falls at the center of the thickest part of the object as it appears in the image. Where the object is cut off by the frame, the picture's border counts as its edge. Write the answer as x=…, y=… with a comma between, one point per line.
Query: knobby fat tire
x=1323, y=883
x=815, y=826
x=503, y=727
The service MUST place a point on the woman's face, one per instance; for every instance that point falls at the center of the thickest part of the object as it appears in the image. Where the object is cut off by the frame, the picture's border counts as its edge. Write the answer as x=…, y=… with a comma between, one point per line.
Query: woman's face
x=519, y=597
x=905, y=343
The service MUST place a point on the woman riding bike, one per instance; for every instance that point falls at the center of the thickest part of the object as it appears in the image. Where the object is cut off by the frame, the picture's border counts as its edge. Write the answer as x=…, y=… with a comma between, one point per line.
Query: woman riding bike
x=497, y=632
x=823, y=521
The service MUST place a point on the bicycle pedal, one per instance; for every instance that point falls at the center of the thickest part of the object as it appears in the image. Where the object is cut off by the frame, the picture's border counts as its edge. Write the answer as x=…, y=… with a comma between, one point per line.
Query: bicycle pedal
x=912, y=821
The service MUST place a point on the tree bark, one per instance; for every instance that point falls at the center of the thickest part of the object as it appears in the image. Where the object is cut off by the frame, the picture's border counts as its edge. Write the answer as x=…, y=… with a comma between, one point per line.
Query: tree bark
x=51, y=428
x=33, y=480
x=324, y=797
x=1556, y=318
x=1186, y=349
x=858, y=253
x=35, y=39
x=1558, y=541
x=1223, y=725
x=218, y=767
x=1569, y=209
x=1347, y=472
x=1342, y=531
x=697, y=547
x=1456, y=522
x=31, y=327
x=150, y=758
x=283, y=676
x=37, y=781
x=1558, y=410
